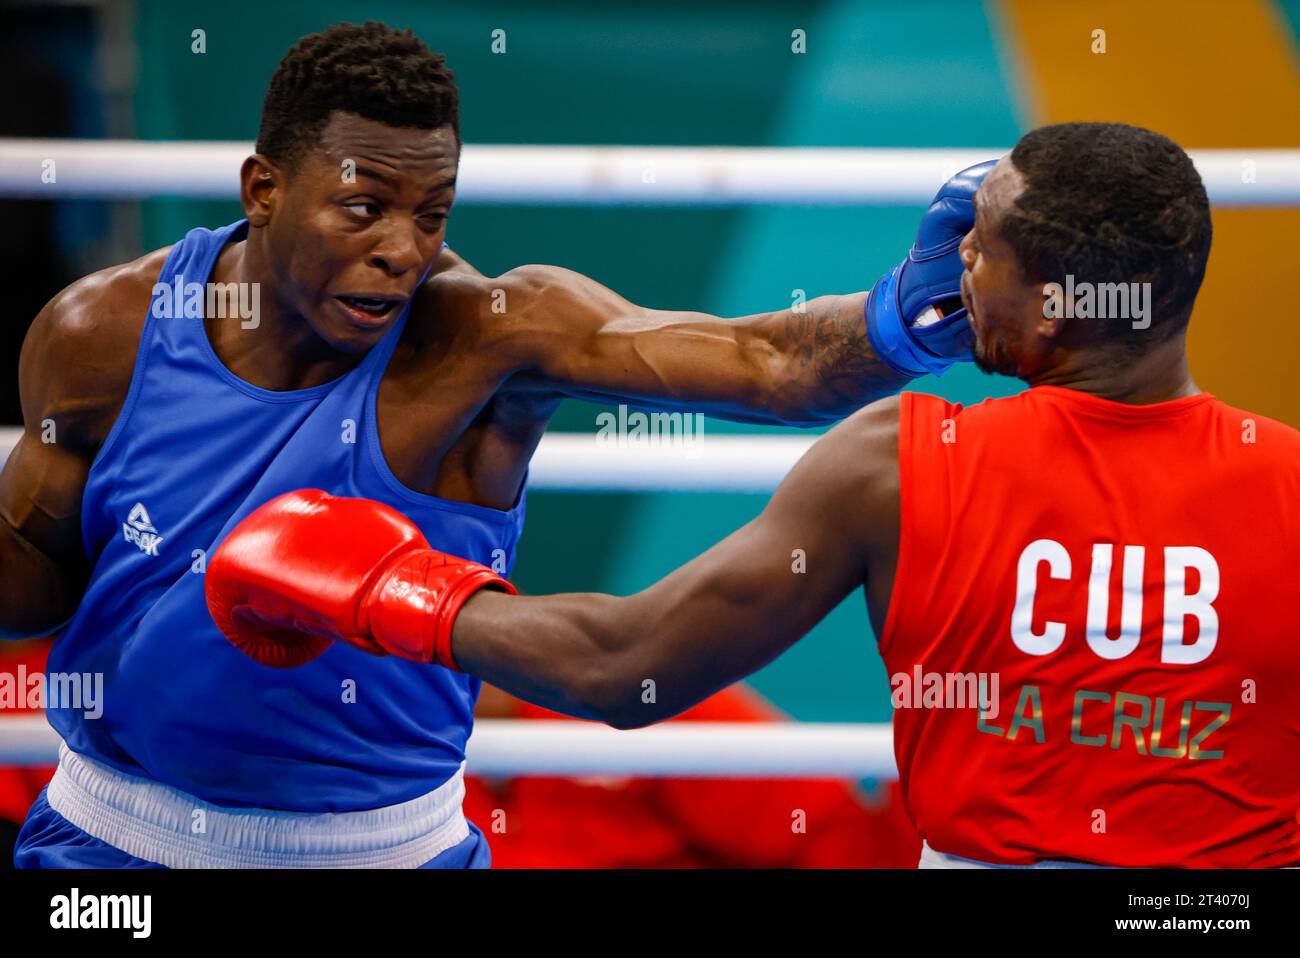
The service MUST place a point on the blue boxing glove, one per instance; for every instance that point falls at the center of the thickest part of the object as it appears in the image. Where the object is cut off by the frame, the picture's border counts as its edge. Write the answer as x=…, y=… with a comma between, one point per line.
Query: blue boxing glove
x=906, y=332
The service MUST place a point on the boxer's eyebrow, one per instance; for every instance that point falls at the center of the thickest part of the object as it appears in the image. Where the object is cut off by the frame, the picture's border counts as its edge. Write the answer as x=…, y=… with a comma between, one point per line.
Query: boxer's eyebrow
x=391, y=182
x=376, y=175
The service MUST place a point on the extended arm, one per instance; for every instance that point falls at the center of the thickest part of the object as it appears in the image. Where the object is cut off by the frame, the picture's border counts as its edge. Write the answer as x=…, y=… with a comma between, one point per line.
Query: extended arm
x=307, y=569
x=812, y=363
x=804, y=365
x=832, y=525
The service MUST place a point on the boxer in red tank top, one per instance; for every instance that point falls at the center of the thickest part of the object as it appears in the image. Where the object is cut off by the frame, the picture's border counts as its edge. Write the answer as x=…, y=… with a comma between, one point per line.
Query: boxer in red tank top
x=1128, y=572
x=1110, y=561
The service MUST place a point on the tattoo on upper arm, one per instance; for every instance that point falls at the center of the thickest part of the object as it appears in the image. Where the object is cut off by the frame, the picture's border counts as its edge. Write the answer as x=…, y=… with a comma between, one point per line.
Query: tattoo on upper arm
x=833, y=356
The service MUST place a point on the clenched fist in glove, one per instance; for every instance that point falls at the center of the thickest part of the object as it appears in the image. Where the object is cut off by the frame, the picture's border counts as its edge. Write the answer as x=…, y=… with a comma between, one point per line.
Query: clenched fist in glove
x=307, y=569
x=914, y=318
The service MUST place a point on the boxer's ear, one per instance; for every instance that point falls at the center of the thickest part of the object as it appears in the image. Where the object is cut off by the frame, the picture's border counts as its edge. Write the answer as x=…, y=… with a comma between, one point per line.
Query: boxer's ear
x=259, y=179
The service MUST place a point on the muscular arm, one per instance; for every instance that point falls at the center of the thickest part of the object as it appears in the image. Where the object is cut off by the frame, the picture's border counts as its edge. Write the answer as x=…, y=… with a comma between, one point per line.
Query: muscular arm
x=805, y=365
x=721, y=616
x=811, y=363
x=74, y=371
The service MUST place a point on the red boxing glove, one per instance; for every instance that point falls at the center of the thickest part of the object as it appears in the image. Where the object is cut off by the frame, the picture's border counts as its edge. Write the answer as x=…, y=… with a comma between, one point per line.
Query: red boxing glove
x=307, y=569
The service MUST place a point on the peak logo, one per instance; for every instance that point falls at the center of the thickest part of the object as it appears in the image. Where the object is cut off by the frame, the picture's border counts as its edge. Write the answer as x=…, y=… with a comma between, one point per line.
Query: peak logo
x=139, y=529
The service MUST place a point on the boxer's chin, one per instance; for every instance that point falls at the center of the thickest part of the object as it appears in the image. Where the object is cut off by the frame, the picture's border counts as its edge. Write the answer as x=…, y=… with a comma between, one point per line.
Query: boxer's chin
x=987, y=356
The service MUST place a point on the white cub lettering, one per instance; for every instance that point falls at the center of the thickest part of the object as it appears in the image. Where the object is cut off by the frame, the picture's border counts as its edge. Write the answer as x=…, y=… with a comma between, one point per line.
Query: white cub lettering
x=1179, y=604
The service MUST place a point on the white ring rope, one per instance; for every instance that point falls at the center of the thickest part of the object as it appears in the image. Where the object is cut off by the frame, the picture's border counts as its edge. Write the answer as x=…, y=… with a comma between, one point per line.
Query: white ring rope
x=580, y=462
x=750, y=464
x=600, y=175
x=560, y=748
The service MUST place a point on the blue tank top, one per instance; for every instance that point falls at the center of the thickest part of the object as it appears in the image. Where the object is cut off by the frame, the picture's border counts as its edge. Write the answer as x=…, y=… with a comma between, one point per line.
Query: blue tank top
x=194, y=450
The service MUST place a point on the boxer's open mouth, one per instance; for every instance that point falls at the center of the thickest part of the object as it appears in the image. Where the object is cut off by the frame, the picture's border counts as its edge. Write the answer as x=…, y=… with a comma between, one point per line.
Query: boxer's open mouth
x=370, y=309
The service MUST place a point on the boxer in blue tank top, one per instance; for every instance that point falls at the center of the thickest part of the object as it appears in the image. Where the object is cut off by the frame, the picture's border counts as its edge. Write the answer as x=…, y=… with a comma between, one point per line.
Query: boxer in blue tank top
x=363, y=358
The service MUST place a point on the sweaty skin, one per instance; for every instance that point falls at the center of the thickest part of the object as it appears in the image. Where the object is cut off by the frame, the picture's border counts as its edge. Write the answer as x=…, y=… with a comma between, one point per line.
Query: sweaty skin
x=733, y=609
x=481, y=366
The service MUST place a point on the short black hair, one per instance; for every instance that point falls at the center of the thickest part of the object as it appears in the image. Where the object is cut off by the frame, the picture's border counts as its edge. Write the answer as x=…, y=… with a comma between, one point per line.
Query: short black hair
x=1112, y=203
x=372, y=70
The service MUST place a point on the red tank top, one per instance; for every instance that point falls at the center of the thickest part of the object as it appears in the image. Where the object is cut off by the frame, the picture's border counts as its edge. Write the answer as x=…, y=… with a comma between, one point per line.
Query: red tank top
x=1127, y=580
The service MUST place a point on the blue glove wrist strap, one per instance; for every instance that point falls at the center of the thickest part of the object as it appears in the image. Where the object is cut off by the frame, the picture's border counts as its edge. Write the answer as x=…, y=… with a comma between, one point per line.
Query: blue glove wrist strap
x=889, y=335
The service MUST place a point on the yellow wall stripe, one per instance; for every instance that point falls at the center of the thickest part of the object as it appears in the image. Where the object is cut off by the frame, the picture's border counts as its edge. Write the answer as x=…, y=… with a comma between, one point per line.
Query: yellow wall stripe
x=1207, y=74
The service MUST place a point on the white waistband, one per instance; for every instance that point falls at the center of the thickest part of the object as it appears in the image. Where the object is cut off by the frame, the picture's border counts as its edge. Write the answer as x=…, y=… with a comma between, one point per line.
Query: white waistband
x=932, y=859
x=169, y=827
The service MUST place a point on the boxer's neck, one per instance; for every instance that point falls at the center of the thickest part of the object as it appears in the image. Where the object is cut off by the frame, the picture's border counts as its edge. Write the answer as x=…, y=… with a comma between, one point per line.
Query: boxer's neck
x=1158, y=375
x=282, y=352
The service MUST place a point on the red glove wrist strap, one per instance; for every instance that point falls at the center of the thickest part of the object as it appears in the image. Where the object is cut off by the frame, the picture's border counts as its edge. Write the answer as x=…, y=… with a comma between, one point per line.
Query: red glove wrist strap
x=413, y=608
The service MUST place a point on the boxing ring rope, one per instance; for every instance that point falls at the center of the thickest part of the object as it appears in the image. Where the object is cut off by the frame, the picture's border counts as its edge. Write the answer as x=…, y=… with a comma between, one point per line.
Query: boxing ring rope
x=580, y=462
x=506, y=747
x=601, y=175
